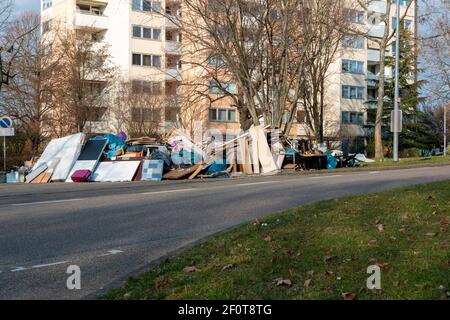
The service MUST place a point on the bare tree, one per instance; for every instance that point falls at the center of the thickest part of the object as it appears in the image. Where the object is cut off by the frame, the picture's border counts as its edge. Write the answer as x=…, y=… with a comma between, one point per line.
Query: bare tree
x=138, y=108
x=434, y=44
x=257, y=55
x=84, y=79
x=28, y=97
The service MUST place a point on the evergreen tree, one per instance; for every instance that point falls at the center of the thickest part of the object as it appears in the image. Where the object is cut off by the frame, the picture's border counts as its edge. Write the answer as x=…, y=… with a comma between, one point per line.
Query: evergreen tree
x=417, y=130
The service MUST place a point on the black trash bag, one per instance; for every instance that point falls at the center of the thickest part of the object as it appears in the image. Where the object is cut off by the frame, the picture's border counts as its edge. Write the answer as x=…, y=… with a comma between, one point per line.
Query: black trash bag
x=159, y=155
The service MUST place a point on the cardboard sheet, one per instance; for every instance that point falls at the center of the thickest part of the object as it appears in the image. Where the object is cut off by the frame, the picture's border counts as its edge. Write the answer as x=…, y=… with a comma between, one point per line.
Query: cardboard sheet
x=115, y=171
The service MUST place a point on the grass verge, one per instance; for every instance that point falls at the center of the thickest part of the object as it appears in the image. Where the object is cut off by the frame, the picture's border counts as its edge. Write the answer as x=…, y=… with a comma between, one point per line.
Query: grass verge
x=319, y=251
x=409, y=162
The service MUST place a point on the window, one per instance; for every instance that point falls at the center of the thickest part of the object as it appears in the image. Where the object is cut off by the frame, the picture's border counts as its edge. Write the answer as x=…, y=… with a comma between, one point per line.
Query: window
x=136, y=59
x=136, y=4
x=406, y=23
x=146, y=60
x=46, y=26
x=148, y=87
x=156, y=34
x=353, y=92
x=351, y=41
x=349, y=117
x=146, y=5
x=355, y=16
x=46, y=4
x=222, y=115
x=146, y=33
x=222, y=88
x=136, y=31
x=352, y=66
x=215, y=60
x=145, y=115
x=403, y=3
x=156, y=61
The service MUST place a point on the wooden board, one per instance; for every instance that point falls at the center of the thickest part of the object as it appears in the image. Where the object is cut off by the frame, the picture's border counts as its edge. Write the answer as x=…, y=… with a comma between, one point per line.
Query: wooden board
x=196, y=172
x=181, y=173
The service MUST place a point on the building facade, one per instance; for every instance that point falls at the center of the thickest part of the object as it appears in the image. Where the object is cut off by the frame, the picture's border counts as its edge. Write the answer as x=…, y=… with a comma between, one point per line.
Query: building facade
x=147, y=47
x=144, y=45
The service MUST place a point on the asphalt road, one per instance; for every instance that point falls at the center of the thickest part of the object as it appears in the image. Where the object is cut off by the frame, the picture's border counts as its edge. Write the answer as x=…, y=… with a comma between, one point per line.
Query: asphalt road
x=113, y=230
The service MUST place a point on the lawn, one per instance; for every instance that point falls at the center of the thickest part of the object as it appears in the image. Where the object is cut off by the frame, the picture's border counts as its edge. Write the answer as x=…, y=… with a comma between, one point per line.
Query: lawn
x=405, y=162
x=319, y=251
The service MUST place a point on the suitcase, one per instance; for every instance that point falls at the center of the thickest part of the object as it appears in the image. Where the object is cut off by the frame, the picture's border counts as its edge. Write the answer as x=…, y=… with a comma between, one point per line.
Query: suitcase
x=81, y=175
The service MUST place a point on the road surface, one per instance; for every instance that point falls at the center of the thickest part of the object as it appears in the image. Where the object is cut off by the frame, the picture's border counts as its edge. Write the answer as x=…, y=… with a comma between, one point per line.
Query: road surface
x=114, y=230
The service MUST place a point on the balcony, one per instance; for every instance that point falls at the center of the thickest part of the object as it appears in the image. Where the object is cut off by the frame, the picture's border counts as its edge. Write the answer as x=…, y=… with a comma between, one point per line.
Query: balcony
x=173, y=47
x=89, y=20
x=377, y=6
x=173, y=74
x=172, y=22
x=376, y=31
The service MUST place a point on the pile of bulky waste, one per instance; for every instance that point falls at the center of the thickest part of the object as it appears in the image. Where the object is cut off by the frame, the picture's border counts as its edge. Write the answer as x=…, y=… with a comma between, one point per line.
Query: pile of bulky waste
x=115, y=158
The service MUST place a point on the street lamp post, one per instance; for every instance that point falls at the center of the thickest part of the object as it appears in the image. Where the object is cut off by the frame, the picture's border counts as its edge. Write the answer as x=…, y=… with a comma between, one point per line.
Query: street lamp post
x=397, y=79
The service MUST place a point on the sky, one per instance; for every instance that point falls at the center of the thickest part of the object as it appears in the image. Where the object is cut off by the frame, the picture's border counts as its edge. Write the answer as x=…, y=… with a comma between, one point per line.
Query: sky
x=25, y=5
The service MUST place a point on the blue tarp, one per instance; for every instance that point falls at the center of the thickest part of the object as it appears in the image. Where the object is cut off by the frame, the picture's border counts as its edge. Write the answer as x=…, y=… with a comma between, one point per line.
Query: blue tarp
x=331, y=161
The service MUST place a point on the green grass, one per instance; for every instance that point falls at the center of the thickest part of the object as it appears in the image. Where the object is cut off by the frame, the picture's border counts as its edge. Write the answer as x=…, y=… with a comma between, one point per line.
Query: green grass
x=406, y=162
x=412, y=247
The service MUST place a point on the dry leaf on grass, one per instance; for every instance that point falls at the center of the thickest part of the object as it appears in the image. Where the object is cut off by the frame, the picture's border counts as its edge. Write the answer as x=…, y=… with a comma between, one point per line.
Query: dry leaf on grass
x=307, y=283
x=349, y=296
x=162, y=283
x=283, y=282
x=191, y=269
x=228, y=266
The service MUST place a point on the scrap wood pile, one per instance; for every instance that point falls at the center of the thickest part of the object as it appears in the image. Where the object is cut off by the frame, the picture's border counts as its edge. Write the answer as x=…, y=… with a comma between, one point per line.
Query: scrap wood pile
x=113, y=158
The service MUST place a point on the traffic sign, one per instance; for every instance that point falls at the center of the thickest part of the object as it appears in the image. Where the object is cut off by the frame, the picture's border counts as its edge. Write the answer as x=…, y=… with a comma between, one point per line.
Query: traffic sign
x=6, y=122
x=6, y=132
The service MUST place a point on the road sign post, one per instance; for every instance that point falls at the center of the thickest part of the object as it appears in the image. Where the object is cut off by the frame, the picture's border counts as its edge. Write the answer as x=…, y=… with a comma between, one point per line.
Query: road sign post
x=6, y=130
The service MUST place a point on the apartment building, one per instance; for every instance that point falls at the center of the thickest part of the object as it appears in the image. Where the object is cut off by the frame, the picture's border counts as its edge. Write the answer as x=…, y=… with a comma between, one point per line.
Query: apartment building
x=147, y=47
x=353, y=80
x=143, y=44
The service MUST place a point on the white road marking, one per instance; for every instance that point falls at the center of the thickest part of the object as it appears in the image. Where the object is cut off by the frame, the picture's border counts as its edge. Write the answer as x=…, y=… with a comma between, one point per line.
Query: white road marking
x=44, y=202
x=18, y=269
x=48, y=264
x=324, y=177
x=256, y=183
x=111, y=252
x=167, y=191
x=374, y=172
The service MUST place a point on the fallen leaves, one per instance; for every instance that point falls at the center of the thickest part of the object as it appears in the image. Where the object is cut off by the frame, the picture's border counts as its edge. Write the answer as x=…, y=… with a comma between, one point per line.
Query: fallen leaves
x=349, y=296
x=327, y=259
x=191, y=269
x=228, y=266
x=162, y=283
x=283, y=282
x=307, y=283
x=380, y=227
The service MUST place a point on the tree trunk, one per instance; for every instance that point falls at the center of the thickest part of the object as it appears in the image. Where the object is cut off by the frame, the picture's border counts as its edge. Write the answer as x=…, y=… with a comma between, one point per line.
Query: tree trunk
x=378, y=138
